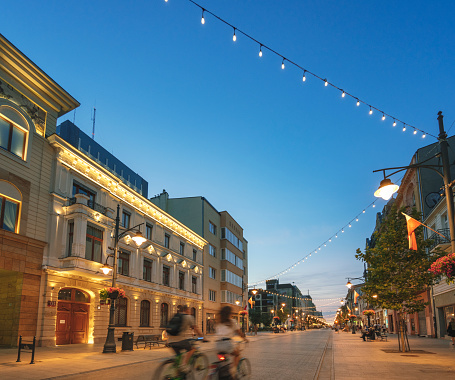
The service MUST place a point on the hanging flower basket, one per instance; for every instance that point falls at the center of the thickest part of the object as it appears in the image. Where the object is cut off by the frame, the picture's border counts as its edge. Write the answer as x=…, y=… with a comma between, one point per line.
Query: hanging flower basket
x=346, y=319
x=276, y=318
x=368, y=312
x=243, y=312
x=444, y=266
x=112, y=293
x=352, y=316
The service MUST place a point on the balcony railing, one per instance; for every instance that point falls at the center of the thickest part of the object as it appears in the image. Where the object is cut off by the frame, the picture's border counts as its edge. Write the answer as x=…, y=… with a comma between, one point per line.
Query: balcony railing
x=438, y=239
x=93, y=205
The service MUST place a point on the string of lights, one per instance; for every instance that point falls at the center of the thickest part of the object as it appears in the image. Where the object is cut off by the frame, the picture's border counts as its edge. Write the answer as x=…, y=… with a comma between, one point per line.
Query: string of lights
x=305, y=72
x=335, y=236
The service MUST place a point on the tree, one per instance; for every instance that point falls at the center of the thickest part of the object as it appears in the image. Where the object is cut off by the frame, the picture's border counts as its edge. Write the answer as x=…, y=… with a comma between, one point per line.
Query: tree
x=255, y=316
x=266, y=319
x=395, y=274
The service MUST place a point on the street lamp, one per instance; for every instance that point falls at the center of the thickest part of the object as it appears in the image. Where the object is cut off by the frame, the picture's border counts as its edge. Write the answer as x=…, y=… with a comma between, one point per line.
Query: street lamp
x=387, y=188
x=109, y=345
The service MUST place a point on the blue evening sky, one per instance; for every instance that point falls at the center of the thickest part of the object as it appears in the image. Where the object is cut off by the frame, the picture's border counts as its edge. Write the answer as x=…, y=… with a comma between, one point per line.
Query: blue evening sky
x=197, y=114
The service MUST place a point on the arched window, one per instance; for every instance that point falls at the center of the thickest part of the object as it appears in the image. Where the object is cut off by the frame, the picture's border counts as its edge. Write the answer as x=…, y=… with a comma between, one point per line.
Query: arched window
x=13, y=131
x=164, y=320
x=145, y=313
x=121, y=312
x=10, y=205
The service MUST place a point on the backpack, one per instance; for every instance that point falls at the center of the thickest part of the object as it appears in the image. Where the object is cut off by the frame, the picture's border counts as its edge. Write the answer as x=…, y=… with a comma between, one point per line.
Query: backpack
x=175, y=325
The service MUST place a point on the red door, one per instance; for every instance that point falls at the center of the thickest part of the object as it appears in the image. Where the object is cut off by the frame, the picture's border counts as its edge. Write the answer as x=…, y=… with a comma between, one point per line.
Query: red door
x=72, y=316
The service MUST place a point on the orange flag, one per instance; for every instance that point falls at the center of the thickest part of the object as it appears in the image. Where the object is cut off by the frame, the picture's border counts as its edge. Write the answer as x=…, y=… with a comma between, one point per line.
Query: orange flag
x=251, y=302
x=356, y=295
x=412, y=225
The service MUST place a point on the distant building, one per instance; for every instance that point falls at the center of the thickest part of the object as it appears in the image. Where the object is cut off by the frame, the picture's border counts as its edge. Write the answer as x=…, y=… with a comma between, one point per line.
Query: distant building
x=225, y=256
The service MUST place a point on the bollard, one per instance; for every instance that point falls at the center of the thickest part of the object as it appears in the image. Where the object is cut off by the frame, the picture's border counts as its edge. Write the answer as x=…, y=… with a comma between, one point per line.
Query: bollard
x=19, y=350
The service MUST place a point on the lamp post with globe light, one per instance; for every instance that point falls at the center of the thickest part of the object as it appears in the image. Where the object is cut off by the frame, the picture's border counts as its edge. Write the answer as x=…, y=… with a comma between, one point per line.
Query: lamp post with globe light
x=109, y=345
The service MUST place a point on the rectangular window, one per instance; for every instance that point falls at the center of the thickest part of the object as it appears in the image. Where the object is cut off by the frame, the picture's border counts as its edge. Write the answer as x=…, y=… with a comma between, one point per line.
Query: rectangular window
x=147, y=270
x=212, y=250
x=182, y=248
x=79, y=189
x=148, y=231
x=227, y=234
x=232, y=278
x=12, y=138
x=226, y=254
x=194, y=255
x=212, y=295
x=229, y=297
x=8, y=214
x=212, y=273
x=126, y=218
x=212, y=228
x=181, y=280
x=166, y=275
x=123, y=263
x=194, y=284
x=70, y=237
x=167, y=239
x=94, y=243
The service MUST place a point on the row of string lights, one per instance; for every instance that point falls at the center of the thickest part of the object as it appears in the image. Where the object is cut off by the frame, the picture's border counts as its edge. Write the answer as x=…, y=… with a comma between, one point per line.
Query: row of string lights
x=305, y=72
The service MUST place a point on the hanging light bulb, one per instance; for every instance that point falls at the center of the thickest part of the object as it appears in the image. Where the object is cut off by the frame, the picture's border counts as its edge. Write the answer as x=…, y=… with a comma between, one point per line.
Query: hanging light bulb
x=336, y=236
x=371, y=111
x=304, y=77
x=358, y=102
x=415, y=131
x=404, y=127
x=374, y=205
x=356, y=219
x=342, y=231
x=203, y=19
x=383, y=117
x=330, y=240
x=394, y=123
x=260, y=51
x=326, y=83
x=234, y=37
x=350, y=225
x=282, y=64
x=363, y=211
x=424, y=135
x=343, y=94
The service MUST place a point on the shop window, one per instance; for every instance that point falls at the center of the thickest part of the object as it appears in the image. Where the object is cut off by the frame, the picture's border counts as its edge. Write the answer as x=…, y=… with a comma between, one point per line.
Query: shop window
x=121, y=312
x=145, y=313
x=164, y=317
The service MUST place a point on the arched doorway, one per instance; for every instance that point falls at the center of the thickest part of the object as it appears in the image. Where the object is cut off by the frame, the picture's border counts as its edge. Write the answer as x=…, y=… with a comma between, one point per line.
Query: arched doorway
x=72, y=316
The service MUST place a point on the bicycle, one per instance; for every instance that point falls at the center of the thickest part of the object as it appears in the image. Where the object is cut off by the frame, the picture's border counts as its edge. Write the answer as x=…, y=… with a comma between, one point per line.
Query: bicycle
x=170, y=368
x=220, y=370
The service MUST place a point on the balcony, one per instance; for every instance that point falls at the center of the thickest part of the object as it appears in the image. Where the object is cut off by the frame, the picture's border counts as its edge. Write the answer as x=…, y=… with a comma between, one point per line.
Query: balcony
x=91, y=204
x=440, y=242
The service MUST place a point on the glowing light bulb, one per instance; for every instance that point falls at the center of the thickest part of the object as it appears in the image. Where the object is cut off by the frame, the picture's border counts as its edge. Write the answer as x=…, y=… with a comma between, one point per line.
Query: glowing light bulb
x=326, y=83
x=234, y=37
x=363, y=211
x=357, y=219
x=342, y=231
x=202, y=19
x=424, y=135
x=350, y=226
x=343, y=94
x=282, y=64
x=371, y=111
x=304, y=77
x=383, y=117
x=394, y=123
x=260, y=51
x=404, y=127
x=415, y=131
x=358, y=102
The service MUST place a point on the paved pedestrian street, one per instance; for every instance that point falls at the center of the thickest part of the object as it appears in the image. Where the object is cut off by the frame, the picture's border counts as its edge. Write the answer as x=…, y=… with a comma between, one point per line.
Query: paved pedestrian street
x=314, y=354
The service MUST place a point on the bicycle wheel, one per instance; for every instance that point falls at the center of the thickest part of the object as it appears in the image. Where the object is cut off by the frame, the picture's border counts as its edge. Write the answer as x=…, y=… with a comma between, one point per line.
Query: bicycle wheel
x=166, y=371
x=244, y=369
x=200, y=367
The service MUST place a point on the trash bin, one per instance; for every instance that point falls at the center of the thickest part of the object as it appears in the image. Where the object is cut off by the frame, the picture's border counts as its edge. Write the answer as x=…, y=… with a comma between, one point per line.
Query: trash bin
x=127, y=341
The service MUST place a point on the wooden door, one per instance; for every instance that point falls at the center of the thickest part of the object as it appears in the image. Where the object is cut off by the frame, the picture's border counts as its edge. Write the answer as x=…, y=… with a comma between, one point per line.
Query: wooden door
x=62, y=328
x=79, y=322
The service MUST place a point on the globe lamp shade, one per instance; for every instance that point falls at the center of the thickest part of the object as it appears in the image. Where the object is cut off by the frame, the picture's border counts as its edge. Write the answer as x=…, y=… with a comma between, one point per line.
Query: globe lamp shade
x=386, y=189
x=105, y=269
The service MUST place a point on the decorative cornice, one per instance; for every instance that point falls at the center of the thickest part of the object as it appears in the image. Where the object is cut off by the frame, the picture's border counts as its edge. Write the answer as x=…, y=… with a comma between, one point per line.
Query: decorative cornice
x=76, y=160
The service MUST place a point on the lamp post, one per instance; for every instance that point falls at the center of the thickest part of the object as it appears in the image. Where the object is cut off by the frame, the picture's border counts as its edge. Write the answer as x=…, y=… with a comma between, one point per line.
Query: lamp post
x=387, y=188
x=109, y=345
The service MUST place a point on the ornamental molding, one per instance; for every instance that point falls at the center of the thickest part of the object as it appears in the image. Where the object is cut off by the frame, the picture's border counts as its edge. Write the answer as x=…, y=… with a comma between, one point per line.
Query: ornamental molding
x=72, y=158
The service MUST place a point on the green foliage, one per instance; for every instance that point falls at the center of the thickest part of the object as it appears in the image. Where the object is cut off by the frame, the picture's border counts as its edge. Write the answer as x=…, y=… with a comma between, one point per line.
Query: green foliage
x=255, y=316
x=283, y=314
x=266, y=319
x=396, y=274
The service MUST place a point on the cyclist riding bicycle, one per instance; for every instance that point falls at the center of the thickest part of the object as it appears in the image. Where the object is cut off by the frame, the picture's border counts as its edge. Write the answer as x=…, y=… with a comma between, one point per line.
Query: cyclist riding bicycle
x=227, y=329
x=180, y=342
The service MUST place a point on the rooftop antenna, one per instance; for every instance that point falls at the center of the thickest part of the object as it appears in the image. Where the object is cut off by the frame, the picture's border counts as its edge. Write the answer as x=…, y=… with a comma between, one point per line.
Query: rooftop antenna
x=93, y=119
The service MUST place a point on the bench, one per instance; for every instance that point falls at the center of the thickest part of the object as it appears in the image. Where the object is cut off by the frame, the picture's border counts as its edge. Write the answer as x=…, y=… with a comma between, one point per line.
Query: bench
x=381, y=335
x=149, y=340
